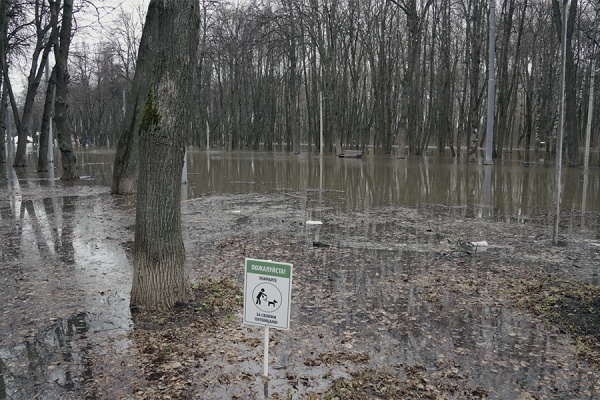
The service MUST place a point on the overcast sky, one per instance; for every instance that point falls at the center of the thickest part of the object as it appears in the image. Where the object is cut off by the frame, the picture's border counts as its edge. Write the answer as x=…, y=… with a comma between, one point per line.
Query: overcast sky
x=93, y=26
x=96, y=23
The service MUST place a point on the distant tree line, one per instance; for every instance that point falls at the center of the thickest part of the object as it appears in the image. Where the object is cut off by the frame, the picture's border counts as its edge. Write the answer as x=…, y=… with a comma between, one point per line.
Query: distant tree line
x=392, y=72
x=400, y=75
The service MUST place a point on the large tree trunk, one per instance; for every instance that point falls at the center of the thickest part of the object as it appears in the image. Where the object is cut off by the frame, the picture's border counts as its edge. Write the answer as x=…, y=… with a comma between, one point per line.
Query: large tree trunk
x=159, y=275
x=68, y=159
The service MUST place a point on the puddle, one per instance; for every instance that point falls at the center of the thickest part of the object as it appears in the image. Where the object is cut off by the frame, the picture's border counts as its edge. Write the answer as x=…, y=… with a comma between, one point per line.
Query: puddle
x=66, y=281
x=48, y=364
x=415, y=324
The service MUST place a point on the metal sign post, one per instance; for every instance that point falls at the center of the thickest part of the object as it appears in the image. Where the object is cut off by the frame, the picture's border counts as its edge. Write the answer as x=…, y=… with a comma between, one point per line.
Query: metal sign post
x=267, y=297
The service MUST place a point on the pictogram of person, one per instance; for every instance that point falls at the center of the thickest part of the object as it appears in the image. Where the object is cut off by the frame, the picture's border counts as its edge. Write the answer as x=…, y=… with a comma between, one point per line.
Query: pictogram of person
x=261, y=296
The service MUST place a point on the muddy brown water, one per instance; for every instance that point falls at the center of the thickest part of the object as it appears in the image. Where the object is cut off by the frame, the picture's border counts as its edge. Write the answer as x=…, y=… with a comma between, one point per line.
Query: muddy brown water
x=66, y=265
x=517, y=187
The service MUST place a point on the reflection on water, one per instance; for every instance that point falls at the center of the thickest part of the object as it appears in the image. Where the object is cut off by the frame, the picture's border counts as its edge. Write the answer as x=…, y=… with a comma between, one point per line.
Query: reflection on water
x=510, y=190
x=364, y=302
x=46, y=365
x=513, y=189
x=65, y=285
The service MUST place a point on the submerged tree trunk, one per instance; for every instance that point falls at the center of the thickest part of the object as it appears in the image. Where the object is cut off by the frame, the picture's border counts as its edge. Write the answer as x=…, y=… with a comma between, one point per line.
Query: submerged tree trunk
x=159, y=275
x=571, y=125
x=46, y=121
x=68, y=159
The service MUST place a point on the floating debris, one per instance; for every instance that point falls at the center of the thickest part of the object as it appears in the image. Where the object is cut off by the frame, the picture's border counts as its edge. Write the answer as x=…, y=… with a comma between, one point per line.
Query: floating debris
x=314, y=223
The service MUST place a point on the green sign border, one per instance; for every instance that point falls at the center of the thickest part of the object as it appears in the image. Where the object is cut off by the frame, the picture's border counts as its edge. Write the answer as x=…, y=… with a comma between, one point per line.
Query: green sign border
x=280, y=270
x=268, y=268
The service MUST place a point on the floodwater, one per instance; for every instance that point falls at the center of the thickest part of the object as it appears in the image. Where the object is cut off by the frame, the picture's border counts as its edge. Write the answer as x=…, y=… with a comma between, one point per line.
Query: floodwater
x=517, y=187
x=70, y=270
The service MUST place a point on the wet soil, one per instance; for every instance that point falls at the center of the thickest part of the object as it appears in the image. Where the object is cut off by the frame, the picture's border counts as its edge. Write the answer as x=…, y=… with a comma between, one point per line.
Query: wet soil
x=386, y=302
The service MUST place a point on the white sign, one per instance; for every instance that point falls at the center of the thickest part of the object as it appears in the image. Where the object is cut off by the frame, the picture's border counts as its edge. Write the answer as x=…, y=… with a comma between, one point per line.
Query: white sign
x=267, y=293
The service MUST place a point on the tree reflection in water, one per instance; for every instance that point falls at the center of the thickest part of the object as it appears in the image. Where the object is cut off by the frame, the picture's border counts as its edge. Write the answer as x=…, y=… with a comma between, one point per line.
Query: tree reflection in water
x=48, y=364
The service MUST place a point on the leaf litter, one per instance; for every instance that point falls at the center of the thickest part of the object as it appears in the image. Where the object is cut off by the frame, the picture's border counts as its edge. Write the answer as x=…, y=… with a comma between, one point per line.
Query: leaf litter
x=392, y=307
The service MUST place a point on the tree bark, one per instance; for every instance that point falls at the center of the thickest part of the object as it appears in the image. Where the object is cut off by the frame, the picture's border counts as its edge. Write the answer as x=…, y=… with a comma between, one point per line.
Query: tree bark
x=61, y=55
x=159, y=277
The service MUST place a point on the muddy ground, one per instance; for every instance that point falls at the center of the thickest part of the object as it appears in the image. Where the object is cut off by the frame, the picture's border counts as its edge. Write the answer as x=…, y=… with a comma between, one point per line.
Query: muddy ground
x=386, y=303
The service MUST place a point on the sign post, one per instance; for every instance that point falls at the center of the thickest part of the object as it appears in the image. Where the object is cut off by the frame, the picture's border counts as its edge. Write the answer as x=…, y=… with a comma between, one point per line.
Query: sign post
x=267, y=297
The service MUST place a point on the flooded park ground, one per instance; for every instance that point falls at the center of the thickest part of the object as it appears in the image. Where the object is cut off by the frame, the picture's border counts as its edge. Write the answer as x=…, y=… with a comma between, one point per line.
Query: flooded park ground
x=387, y=302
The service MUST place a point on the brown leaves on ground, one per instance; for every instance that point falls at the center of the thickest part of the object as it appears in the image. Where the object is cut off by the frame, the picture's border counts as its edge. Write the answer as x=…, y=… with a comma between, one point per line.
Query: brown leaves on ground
x=571, y=306
x=393, y=308
x=406, y=382
x=172, y=345
x=360, y=301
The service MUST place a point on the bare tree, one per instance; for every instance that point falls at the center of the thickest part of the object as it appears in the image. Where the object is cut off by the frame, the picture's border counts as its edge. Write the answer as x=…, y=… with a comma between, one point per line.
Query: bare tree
x=383, y=72
x=44, y=23
x=410, y=126
x=509, y=74
x=126, y=34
